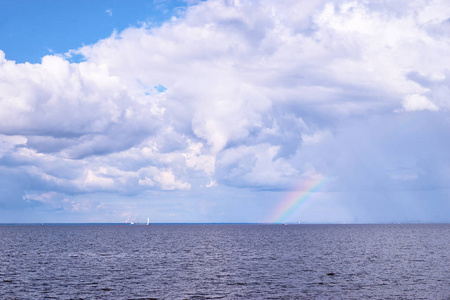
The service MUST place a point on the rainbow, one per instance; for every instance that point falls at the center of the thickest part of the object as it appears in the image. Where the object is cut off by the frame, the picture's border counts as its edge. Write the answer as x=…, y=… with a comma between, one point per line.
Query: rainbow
x=295, y=199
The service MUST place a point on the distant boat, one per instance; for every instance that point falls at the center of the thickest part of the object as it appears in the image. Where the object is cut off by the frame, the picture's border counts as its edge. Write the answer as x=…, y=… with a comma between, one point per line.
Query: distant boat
x=283, y=223
x=148, y=221
x=132, y=222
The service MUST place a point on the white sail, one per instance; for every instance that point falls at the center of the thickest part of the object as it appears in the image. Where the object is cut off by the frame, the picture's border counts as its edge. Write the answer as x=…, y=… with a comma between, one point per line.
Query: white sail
x=148, y=221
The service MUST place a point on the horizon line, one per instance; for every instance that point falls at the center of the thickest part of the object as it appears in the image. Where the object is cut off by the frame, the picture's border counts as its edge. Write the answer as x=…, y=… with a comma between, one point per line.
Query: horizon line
x=219, y=223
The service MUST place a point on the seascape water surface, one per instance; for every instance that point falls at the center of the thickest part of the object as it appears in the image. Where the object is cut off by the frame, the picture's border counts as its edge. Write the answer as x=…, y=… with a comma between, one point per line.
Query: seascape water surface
x=409, y=261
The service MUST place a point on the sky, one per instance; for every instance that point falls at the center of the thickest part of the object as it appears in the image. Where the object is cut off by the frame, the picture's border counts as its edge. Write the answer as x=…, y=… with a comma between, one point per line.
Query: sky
x=224, y=111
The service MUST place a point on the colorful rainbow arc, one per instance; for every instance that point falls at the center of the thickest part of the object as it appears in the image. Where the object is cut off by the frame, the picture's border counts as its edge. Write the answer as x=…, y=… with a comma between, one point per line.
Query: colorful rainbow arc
x=295, y=199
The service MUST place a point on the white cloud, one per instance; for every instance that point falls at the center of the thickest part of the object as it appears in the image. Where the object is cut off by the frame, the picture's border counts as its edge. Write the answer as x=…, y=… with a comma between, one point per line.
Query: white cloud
x=212, y=183
x=168, y=181
x=60, y=201
x=146, y=181
x=255, y=166
x=255, y=95
x=93, y=180
x=316, y=137
x=198, y=160
x=418, y=102
x=9, y=143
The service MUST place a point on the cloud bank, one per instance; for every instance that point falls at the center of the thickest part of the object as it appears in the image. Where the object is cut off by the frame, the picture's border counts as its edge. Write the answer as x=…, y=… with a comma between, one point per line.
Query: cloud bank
x=257, y=95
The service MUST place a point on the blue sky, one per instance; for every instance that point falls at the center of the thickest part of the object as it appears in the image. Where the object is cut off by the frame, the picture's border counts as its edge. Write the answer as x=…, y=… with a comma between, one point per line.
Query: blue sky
x=31, y=29
x=224, y=111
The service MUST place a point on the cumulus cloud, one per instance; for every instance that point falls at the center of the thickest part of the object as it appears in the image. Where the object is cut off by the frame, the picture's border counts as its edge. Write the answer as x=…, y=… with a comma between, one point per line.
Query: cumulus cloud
x=418, y=102
x=239, y=93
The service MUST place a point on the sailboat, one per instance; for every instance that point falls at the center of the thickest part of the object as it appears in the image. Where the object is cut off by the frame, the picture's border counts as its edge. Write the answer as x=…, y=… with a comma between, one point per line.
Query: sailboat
x=148, y=221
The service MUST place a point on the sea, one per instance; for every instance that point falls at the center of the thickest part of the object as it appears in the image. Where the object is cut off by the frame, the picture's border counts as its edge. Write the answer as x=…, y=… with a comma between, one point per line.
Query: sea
x=225, y=261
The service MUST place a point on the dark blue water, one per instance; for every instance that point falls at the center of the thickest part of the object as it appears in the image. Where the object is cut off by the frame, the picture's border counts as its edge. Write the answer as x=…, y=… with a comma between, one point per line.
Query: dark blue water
x=225, y=261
